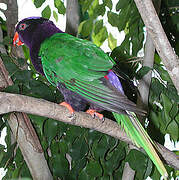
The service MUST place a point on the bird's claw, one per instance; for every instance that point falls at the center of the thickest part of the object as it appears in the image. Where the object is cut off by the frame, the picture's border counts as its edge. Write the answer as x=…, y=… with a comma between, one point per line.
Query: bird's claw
x=72, y=115
x=95, y=114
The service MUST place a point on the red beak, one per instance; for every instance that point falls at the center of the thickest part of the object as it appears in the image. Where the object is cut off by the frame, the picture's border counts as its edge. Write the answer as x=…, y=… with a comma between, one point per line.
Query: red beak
x=16, y=40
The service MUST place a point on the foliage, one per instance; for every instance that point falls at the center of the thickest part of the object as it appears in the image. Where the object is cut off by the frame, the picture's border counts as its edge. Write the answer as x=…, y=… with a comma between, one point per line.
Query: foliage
x=78, y=153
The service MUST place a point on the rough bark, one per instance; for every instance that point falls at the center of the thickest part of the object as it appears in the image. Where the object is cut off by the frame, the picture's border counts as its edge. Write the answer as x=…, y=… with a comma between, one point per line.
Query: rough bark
x=29, y=145
x=72, y=17
x=162, y=45
x=15, y=102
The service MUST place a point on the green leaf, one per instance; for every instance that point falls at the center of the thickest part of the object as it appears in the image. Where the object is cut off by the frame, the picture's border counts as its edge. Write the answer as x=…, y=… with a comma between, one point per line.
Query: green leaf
x=123, y=18
x=173, y=130
x=121, y=4
x=108, y=3
x=85, y=27
x=96, y=9
x=94, y=169
x=12, y=89
x=79, y=149
x=7, y=41
x=77, y=166
x=46, y=13
x=55, y=15
x=40, y=90
x=60, y=6
x=50, y=129
x=38, y=3
x=142, y=72
x=22, y=76
x=60, y=165
x=112, y=42
x=98, y=26
x=85, y=5
x=113, y=158
x=83, y=175
x=167, y=107
x=148, y=169
x=99, y=148
x=113, y=18
x=39, y=120
x=138, y=162
x=99, y=38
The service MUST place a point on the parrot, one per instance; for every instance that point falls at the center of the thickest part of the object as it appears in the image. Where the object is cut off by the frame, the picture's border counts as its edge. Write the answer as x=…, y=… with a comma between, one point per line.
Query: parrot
x=86, y=77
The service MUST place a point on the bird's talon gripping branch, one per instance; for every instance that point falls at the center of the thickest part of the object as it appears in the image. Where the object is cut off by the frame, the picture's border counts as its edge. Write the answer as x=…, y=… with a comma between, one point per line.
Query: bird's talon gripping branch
x=94, y=114
x=71, y=110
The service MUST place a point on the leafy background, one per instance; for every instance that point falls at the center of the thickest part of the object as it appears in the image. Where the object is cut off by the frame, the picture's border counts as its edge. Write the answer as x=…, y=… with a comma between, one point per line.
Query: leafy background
x=79, y=153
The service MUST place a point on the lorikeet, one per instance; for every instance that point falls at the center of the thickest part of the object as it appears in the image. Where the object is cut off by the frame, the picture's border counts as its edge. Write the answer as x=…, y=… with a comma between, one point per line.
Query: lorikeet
x=84, y=75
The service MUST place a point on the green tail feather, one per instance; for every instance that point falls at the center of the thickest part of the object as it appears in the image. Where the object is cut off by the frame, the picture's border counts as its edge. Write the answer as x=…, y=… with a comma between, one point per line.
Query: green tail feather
x=140, y=137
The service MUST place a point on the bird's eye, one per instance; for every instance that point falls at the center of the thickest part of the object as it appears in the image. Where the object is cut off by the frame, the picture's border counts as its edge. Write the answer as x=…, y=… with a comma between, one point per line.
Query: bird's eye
x=22, y=26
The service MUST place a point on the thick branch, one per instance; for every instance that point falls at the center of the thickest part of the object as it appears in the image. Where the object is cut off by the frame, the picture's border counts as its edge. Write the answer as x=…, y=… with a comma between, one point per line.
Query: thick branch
x=29, y=145
x=164, y=49
x=15, y=102
x=72, y=17
x=3, y=1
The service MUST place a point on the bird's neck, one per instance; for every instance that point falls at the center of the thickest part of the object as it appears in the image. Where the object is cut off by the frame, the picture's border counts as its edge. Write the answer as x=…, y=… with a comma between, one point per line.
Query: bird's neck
x=42, y=33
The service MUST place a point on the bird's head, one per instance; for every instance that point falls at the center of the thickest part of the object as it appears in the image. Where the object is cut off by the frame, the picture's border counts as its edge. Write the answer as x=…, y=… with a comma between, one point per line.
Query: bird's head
x=28, y=27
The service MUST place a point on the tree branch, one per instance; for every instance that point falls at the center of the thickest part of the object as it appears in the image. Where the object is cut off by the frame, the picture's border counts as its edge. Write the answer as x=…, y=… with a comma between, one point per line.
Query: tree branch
x=29, y=145
x=72, y=17
x=164, y=49
x=20, y=103
x=144, y=84
x=3, y=1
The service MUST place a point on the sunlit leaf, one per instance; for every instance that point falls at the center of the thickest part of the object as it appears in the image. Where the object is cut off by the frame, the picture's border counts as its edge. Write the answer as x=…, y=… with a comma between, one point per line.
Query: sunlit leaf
x=112, y=42
x=46, y=13
x=55, y=15
x=85, y=27
x=60, y=6
x=99, y=38
x=98, y=26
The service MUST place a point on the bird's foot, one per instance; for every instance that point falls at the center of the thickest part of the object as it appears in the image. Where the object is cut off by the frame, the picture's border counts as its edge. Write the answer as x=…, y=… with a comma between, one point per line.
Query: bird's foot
x=71, y=110
x=94, y=114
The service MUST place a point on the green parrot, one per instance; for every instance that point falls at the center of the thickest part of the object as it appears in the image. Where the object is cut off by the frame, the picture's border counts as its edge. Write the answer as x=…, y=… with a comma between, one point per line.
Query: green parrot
x=85, y=76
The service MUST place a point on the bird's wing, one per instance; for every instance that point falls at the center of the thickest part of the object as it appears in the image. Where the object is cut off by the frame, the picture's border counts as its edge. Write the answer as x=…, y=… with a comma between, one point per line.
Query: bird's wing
x=81, y=66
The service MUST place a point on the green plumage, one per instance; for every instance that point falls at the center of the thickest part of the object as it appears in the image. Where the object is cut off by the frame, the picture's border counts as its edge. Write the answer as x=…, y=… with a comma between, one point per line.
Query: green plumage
x=80, y=66
x=73, y=58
